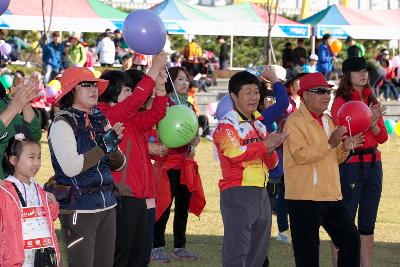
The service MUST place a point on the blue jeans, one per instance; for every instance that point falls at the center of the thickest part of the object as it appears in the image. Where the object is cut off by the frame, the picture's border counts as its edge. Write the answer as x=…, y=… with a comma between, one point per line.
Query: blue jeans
x=281, y=208
x=387, y=88
x=49, y=74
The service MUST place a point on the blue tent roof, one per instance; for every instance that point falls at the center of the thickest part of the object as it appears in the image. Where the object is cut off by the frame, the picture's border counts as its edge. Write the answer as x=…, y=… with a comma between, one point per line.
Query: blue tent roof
x=168, y=10
x=328, y=16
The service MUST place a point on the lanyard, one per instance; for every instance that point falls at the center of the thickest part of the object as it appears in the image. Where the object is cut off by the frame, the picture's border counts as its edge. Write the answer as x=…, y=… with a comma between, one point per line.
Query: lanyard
x=26, y=198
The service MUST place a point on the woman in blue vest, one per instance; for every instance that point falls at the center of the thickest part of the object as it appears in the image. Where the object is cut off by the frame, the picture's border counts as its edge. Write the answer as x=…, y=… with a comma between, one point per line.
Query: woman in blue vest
x=84, y=150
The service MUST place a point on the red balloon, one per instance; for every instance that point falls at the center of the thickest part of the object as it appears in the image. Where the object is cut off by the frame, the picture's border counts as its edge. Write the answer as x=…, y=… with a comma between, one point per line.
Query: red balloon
x=357, y=114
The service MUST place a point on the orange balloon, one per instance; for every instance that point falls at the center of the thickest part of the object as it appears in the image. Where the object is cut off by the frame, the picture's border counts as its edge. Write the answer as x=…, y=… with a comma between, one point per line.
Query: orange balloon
x=336, y=46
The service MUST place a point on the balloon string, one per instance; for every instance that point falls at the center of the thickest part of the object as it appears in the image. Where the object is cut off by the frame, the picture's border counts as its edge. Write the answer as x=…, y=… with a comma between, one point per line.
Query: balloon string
x=173, y=86
x=348, y=119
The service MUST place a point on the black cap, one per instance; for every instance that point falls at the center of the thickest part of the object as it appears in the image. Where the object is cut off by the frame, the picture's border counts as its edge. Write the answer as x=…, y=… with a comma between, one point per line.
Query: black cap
x=293, y=74
x=354, y=64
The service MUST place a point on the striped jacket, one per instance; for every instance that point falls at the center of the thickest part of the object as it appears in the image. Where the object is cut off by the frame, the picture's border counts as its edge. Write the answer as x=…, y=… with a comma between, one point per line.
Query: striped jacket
x=243, y=157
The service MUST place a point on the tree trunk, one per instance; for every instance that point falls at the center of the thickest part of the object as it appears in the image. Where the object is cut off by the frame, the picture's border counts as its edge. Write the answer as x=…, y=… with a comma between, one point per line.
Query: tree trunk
x=270, y=56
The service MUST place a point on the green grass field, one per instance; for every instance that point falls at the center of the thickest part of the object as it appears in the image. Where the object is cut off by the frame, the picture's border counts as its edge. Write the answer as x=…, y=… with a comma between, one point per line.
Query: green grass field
x=204, y=234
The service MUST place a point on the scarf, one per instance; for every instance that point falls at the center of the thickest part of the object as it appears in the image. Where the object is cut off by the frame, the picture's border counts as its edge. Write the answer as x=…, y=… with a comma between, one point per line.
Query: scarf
x=183, y=99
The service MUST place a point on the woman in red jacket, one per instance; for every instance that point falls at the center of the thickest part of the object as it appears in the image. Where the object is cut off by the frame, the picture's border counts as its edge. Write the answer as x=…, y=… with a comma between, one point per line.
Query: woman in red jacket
x=361, y=176
x=135, y=182
x=179, y=178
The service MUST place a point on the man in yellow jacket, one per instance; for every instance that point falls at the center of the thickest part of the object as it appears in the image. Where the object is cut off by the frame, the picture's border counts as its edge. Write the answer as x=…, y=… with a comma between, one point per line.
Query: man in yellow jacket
x=312, y=154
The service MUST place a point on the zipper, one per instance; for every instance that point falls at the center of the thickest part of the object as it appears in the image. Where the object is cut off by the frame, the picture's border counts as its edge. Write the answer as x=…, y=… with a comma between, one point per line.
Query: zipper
x=262, y=162
x=101, y=183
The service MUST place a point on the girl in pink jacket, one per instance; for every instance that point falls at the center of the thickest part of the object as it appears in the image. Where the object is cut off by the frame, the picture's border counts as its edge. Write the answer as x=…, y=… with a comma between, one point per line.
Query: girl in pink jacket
x=27, y=212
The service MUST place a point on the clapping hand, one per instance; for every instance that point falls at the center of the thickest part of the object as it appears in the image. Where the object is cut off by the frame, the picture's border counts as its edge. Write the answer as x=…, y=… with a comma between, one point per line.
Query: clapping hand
x=352, y=142
x=378, y=111
x=274, y=140
x=25, y=93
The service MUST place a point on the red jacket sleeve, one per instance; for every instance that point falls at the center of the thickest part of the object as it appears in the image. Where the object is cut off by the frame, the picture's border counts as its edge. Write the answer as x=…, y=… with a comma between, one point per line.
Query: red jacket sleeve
x=382, y=137
x=128, y=108
x=337, y=104
x=145, y=120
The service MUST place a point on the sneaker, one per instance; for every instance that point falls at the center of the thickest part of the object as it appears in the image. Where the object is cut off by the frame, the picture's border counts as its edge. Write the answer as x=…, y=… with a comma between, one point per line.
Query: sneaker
x=160, y=255
x=183, y=254
x=209, y=138
x=284, y=237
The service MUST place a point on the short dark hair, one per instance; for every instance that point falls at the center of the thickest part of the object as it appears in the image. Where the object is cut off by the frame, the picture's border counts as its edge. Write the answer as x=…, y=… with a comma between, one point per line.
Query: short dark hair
x=125, y=57
x=116, y=79
x=56, y=34
x=300, y=41
x=173, y=72
x=288, y=44
x=349, y=39
x=326, y=37
x=242, y=78
x=135, y=76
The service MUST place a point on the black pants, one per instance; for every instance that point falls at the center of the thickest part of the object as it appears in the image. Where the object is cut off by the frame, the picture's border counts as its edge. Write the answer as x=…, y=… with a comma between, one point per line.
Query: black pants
x=43, y=117
x=131, y=232
x=182, y=199
x=151, y=217
x=106, y=65
x=305, y=219
x=90, y=238
x=204, y=124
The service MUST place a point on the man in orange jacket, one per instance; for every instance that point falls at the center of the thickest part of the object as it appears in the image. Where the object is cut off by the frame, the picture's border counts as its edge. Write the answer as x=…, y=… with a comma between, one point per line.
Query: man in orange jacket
x=311, y=158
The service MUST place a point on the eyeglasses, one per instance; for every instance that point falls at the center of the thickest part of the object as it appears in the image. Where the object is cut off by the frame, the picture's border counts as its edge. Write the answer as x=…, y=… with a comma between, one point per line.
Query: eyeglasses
x=321, y=91
x=88, y=84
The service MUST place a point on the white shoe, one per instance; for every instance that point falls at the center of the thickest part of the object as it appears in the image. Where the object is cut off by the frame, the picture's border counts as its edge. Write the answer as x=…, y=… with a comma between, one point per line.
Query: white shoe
x=284, y=237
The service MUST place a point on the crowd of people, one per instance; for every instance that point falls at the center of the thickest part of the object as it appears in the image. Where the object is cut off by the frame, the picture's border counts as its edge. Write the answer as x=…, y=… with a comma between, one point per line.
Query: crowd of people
x=280, y=148
x=385, y=74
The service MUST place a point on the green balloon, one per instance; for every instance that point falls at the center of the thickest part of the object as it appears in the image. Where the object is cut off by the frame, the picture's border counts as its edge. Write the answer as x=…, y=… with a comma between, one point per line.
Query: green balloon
x=178, y=127
x=6, y=80
x=390, y=124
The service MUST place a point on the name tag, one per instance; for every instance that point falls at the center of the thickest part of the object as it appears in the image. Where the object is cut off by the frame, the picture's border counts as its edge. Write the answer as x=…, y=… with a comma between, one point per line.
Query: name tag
x=35, y=230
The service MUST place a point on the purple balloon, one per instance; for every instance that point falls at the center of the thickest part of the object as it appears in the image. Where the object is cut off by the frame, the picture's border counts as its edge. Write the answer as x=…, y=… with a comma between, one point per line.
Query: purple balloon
x=144, y=32
x=3, y=6
x=5, y=49
x=224, y=106
x=51, y=91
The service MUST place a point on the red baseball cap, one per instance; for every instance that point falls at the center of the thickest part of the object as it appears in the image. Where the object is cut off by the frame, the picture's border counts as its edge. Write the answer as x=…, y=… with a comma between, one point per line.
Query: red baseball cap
x=72, y=76
x=312, y=80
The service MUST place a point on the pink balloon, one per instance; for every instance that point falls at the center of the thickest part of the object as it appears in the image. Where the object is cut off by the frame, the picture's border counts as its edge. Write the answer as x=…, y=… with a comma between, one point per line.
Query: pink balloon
x=51, y=91
x=3, y=6
x=212, y=108
x=396, y=61
x=5, y=49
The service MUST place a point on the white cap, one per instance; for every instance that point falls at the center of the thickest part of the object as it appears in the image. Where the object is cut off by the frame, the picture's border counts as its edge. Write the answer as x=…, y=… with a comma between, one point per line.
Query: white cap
x=313, y=57
x=280, y=72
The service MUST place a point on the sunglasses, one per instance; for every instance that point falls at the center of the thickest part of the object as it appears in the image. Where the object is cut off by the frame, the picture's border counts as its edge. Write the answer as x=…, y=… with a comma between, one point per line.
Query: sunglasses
x=88, y=84
x=321, y=91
